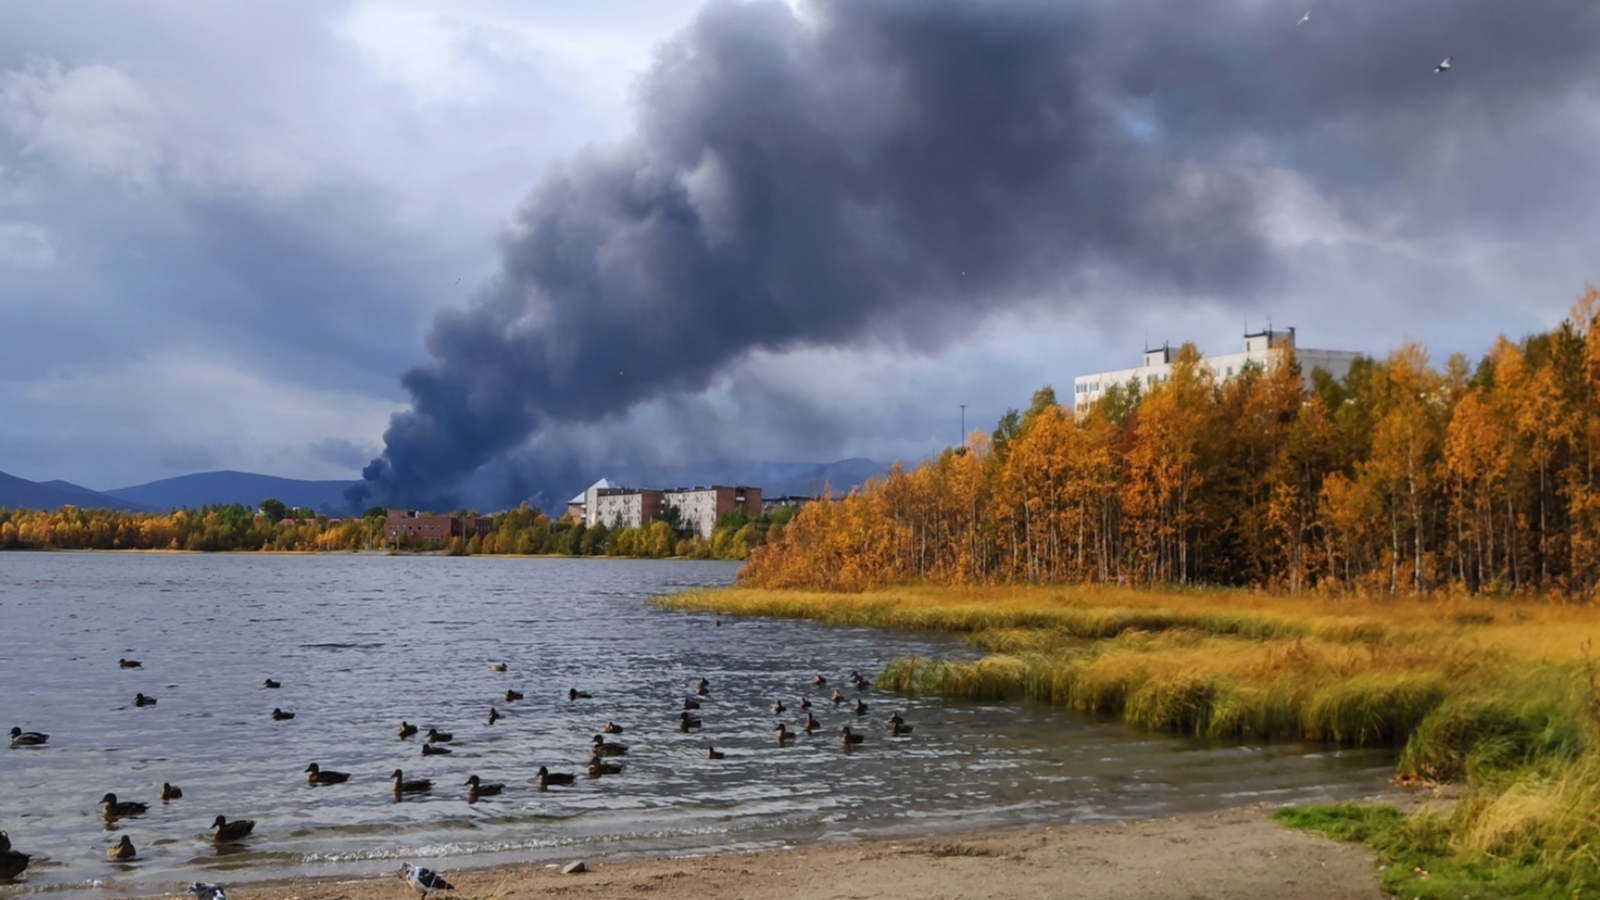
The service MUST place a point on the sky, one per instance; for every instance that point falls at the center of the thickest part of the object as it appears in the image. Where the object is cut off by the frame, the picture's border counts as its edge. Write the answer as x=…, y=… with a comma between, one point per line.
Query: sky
x=527, y=238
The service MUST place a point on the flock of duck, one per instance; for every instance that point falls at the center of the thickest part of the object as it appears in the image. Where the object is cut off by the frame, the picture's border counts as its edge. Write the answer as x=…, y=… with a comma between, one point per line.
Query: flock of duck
x=603, y=753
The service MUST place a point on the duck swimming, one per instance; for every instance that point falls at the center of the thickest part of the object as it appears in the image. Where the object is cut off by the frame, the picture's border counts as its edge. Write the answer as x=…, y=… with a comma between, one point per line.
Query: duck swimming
x=11, y=862
x=848, y=737
x=513, y=696
x=714, y=753
x=20, y=738
x=860, y=708
x=279, y=715
x=897, y=729
x=546, y=778
x=702, y=687
x=497, y=667
x=686, y=722
x=598, y=767
x=779, y=709
x=271, y=685
x=435, y=736
x=837, y=697
x=170, y=792
x=406, y=729
x=111, y=808
x=476, y=788
x=784, y=734
x=803, y=704
x=811, y=723
x=121, y=850
x=611, y=728
x=435, y=750
x=402, y=786
x=819, y=681
x=691, y=703
x=601, y=748
x=129, y=664
x=316, y=775
x=575, y=694
x=142, y=700
x=222, y=830
x=494, y=715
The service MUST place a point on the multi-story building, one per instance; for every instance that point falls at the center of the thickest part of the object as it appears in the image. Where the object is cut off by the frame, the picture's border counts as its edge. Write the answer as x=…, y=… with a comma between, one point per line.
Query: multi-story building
x=407, y=526
x=1258, y=351
x=701, y=507
x=605, y=503
x=619, y=507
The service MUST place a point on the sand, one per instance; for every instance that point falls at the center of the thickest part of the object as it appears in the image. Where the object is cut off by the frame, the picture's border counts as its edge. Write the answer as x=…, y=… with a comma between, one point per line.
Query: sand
x=1238, y=854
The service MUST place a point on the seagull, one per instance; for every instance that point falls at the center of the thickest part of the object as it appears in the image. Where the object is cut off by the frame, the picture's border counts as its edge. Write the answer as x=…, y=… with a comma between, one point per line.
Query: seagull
x=1443, y=67
x=1305, y=18
x=203, y=891
x=423, y=880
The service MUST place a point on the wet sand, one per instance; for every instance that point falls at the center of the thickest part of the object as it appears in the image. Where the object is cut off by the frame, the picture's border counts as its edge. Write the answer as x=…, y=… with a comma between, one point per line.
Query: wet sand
x=1238, y=854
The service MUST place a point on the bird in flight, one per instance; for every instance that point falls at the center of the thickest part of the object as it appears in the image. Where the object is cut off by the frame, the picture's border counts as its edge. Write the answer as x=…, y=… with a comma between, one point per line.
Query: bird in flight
x=1443, y=67
x=1305, y=18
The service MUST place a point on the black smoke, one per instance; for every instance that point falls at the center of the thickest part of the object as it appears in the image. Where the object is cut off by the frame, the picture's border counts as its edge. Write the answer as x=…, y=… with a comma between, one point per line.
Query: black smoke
x=892, y=171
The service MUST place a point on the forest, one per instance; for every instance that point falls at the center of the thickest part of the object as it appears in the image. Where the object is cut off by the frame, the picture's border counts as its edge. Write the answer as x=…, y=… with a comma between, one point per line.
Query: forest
x=1401, y=477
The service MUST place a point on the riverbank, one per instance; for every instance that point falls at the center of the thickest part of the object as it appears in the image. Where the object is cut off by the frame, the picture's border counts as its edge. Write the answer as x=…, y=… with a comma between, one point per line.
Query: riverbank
x=1238, y=854
x=1500, y=697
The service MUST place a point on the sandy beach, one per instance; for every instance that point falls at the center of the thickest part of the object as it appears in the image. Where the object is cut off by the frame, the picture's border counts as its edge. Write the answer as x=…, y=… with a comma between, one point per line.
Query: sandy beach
x=1238, y=854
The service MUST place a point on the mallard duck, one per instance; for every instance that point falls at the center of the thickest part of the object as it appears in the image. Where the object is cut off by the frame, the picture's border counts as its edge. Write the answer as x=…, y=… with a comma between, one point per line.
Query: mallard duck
x=860, y=708
x=12, y=862
x=894, y=719
x=279, y=715
x=170, y=792
x=897, y=729
x=142, y=700
x=129, y=664
x=686, y=722
x=20, y=738
x=859, y=680
x=779, y=709
x=121, y=850
x=575, y=694
x=848, y=737
x=611, y=728
x=494, y=715
x=435, y=750
x=111, y=808
x=714, y=753
x=819, y=681
x=406, y=729
x=546, y=778
x=691, y=703
x=837, y=697
x=435, y=736
x=223, y=830
x=402, y=786
x=423, y=880
x=783, y=733
x=476, y=788
x=203, y=891
x=811, y=723
x=316, y=775
x=702, y=687
x=598, y=767
x=601, y=748
x=513, y=696
x=271, y=685
x=498, y=667
x=803, y=704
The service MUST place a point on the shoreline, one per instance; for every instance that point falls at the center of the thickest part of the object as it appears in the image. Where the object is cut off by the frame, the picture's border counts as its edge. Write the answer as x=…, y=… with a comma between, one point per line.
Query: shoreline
x=1238, y=853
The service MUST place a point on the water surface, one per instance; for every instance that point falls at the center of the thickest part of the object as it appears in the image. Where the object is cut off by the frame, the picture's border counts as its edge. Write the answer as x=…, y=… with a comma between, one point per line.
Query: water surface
x=361, y=642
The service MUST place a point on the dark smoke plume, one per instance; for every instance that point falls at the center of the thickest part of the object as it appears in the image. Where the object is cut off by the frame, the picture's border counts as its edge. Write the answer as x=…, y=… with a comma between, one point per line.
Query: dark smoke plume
x=891, y=171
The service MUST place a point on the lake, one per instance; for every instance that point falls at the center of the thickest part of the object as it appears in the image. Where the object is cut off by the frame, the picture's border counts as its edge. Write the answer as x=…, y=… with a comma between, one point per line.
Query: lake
x=361, y=642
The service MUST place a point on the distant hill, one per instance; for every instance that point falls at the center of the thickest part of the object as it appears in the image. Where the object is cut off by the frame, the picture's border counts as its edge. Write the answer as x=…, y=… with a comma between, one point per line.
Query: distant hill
x=243, y=488
x=19, y=492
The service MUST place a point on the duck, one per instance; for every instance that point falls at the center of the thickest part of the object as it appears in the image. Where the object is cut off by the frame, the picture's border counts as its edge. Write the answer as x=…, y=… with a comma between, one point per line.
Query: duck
x=476, y=788
x=316, y=775
x=546, y=778
x=848, y=737
x=270, y=685
x=20, y=738
x=859, y=680
x=575, y=694
x=494, y=715
x=803, y=704
x=406, y=729
x=686, y=722
x=170, y=792
x=121, y=850
x=498, y=667
x=423, y=880
x=860, y=708
x=435, y=736
x=12, y=862
x=691, y=703
x=598, y=767
x=279, y=715
x=513, y=696
x=435, y=750
x=894, y=719
x=415, y=786
x=611, y=728
x=837, y=697
x=896, y=729
x=779, y=709
x=811, y=723
x=702, y=687
x=784, y=734
x=142, y=700
x=601, y=748
x=222, y=830
x=111, y=808
x=129, y=664
x=714, y=753
x=204, y=891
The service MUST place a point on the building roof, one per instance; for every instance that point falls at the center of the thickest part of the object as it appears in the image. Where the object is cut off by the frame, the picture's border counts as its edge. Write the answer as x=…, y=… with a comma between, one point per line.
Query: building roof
x=604, y=484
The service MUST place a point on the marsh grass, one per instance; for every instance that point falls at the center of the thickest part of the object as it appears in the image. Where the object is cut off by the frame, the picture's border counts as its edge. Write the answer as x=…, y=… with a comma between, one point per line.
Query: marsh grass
x=1503, y=696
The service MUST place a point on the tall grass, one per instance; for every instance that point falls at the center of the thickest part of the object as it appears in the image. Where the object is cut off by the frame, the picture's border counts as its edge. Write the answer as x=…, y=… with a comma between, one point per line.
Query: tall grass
x=1501, y=696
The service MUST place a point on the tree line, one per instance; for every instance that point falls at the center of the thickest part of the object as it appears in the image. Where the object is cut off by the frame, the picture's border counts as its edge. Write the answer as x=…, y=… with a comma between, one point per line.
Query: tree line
x=1400, y=477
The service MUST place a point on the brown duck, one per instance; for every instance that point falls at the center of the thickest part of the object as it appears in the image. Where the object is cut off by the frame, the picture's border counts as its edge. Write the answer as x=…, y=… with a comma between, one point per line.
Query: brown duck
x=121, y=850
x=170, y=792
x=111, y=808
x=402, y=786
x=316, y=775
x=406, y=729
x=223, y=831
x=546, y=778
x=476, y=788
x=848, y=738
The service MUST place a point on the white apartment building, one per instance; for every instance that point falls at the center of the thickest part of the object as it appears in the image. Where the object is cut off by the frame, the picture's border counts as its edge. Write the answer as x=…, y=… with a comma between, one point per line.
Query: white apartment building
x=1258, y=348
x=607, y=503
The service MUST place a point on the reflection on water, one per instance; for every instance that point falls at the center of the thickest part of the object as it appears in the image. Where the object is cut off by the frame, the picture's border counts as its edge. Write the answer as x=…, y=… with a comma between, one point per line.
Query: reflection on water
x=361, y=642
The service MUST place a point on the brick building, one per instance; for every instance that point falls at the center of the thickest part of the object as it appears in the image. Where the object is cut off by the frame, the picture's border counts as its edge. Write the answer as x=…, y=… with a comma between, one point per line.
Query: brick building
x=407, y=526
